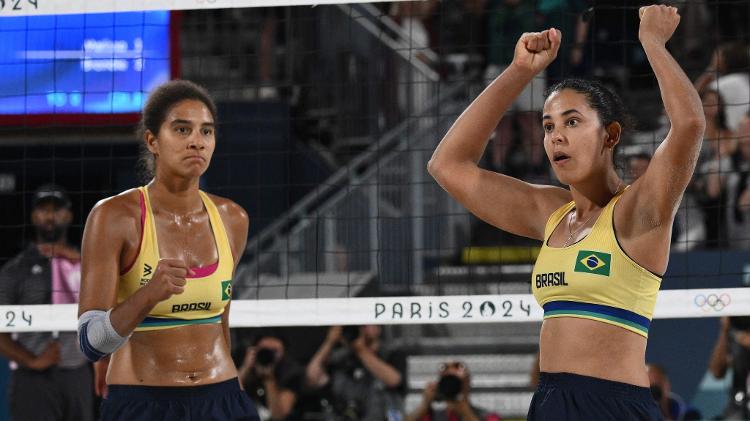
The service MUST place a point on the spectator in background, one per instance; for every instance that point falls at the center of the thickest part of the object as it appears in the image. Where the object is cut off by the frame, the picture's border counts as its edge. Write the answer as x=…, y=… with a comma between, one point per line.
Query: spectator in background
x=273, y=381
x=508, y=20
x=269, y=35
x=459, y=28
x=727, y=74
x=567, y=16
x=689, y=43
x=51, y=378
x=732, y=350
x=715, y=164
x=362, y=379
x=671, y=405
x=413, y=92
x=738, y=190
x=452, y=387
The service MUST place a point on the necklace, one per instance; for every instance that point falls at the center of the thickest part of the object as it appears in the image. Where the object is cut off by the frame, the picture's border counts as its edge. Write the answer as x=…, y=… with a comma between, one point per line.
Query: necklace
x=572, y=233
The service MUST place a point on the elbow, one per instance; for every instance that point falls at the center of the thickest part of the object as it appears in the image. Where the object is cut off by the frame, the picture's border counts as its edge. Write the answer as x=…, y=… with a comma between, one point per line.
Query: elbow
x=440, y=170
x=693, y=126
x=434, y=168
x=394, y=381
x=717, y=370
x=96, y=336
x=87, y=349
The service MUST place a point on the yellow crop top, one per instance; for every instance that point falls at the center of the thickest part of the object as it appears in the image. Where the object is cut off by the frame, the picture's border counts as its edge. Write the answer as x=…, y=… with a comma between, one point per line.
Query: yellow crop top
x=206, y=293
x=594, y=278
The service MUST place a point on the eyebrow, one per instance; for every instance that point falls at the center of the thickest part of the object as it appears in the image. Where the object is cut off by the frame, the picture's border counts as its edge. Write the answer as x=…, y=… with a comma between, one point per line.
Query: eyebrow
x=182, y=121
x=564, y=113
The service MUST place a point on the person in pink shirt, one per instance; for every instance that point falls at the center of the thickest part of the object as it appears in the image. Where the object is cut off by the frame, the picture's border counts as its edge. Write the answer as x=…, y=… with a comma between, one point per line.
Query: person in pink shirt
x=51, y=378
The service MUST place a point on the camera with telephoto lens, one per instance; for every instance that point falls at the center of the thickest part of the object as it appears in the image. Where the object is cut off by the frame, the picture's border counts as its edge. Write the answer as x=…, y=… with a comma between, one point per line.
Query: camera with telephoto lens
x=350, y=333
x=265, y=357
x=448, y=388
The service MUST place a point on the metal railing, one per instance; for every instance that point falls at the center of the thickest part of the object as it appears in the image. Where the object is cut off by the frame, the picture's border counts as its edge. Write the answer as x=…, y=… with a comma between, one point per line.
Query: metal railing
x=381, y=214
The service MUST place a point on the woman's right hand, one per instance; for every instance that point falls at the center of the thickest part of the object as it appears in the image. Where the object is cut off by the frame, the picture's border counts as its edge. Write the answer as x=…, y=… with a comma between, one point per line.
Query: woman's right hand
x=536, y=50
x=100, y=377
x=168, y=279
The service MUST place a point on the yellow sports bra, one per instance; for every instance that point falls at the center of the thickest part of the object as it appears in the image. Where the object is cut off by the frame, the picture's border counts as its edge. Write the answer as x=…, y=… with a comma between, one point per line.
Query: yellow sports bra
x=206, y=293
x=594, y=278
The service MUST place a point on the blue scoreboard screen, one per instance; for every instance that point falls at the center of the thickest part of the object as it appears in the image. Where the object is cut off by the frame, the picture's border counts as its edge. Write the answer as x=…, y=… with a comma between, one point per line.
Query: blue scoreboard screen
x=104, y=63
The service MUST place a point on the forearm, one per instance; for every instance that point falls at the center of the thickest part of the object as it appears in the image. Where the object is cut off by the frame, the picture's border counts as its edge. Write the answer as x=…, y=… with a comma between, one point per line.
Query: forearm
x=419, y=413
x=681, y=101
x=243, y=372
x=704, y=79
x=128, y=314
x=379, y=368
x=279, y=402
x=717, y=365
x=468, y=137
x=314, y=371
x=14, y=351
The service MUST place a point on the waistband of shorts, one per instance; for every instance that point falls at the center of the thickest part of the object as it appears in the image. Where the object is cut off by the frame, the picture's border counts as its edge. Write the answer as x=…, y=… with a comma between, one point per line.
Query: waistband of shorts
x=122, y=391
x=593, y=385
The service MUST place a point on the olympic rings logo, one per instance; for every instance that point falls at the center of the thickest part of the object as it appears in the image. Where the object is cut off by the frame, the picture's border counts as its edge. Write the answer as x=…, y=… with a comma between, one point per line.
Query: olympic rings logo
x=712, y=302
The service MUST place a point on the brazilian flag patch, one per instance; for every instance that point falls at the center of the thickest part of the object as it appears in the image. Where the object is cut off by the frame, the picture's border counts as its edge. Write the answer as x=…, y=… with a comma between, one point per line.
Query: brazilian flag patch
x=226, y=290
x=594, y=262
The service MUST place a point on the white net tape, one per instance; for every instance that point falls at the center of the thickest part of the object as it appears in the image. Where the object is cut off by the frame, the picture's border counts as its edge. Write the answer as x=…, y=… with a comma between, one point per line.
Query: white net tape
x=671, y=304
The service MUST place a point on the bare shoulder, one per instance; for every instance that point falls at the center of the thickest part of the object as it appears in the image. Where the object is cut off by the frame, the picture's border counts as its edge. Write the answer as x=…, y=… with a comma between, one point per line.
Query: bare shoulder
x=232, y=213
x=236, y=222
x=119, y=208
x=116, y=222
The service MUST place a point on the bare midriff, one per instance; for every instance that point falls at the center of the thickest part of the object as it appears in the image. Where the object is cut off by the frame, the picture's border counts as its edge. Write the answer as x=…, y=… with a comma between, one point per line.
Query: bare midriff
x=592, y=348
x=181, y=356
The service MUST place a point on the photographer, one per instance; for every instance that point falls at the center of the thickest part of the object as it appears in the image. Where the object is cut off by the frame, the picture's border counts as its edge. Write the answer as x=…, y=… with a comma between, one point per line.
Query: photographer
x=452, y=389
x=271, y=380
x=362, y=379
x=732, y=350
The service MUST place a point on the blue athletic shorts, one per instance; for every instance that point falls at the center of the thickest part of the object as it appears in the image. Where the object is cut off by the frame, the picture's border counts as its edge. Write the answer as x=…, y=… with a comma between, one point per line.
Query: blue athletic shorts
x=572, y=397
x=212, y=402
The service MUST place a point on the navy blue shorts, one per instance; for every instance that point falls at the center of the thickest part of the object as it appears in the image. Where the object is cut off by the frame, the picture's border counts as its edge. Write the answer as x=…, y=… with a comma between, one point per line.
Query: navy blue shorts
x=215, y=402
x=572, y=397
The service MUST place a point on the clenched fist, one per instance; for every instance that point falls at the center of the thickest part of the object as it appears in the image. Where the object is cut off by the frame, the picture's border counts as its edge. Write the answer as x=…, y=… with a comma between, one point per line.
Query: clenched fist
x=169, y=278
x=658, y=23
x=536, y=50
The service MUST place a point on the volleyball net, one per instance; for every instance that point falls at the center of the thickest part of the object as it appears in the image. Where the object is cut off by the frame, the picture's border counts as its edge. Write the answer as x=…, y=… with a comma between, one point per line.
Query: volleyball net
x=328, y=116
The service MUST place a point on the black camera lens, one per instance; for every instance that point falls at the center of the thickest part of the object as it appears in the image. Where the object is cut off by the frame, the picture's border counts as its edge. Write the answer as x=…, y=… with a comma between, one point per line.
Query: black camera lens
x=449, y=387
x=350, y=333
x=265, y=357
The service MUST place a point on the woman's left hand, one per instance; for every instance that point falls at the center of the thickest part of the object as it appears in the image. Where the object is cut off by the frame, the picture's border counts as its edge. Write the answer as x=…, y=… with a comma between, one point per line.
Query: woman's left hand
x=658, y=23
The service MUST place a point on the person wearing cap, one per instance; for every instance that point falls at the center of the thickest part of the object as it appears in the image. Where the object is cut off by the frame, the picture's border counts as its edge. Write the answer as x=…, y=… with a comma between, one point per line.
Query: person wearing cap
x=51, y=379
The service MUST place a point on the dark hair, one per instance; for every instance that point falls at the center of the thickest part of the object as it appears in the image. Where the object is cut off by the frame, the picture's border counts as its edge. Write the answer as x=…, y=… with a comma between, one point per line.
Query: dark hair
x=721, y=117
x=269, y=334
x=736, y=57
x=606, y=103
x=160, y=101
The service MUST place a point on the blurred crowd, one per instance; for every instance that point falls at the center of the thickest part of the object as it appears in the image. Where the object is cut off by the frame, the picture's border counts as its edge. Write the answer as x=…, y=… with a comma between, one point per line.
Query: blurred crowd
x=598, y=41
